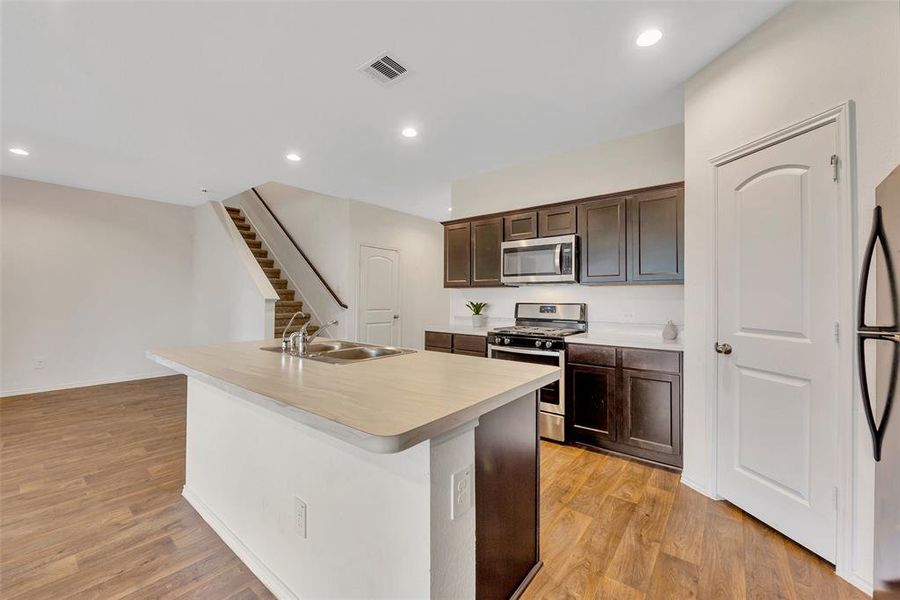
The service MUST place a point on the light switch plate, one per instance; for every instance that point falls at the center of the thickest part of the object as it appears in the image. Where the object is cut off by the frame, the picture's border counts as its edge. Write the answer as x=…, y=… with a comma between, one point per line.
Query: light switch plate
x=461, y=493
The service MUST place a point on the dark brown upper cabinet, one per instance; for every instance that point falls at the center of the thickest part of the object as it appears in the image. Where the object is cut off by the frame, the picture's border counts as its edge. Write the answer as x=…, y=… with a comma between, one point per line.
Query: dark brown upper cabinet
x=487, y=235
x=457, y=255
x=558, y=220
x=522, y=226
x=656, y=236
x=602, y=233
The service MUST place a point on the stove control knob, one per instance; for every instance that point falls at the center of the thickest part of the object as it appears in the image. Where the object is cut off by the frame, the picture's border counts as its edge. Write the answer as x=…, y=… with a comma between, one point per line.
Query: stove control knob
x=506, y=340
x=548, y=344
x=538, y=343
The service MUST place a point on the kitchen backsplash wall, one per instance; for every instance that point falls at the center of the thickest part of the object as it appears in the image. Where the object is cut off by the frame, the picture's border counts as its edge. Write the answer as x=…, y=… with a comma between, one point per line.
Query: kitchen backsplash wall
x=639, y=304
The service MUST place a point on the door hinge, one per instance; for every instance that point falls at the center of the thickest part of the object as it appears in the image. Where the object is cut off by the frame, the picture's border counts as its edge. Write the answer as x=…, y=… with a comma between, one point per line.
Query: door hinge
x=835, y=164
x=837, y=332
x=834, y=497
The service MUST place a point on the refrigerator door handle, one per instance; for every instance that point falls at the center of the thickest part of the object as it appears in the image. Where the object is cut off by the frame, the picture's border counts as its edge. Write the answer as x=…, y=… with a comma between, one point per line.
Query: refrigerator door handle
x=877, y=430
x=877, y=236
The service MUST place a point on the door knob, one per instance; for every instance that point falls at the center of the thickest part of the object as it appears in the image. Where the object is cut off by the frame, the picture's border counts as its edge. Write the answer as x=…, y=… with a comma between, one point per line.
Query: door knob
x=723, y=348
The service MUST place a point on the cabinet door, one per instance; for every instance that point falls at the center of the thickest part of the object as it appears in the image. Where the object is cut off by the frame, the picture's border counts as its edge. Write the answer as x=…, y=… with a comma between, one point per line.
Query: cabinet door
x=601, y=228
x=656, y=236
x=651, y=413
x=559, y=220
x=487, y=235
x=457, y=255
x=522, y=226
x=593, y=404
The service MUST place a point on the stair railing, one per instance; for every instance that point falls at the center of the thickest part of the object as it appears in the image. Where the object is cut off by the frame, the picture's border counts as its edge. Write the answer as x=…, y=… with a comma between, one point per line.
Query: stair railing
x=318, y=274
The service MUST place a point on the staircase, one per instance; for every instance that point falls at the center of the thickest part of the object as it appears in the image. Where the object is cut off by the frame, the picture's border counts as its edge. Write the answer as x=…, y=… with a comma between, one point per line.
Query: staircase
x=286, y=305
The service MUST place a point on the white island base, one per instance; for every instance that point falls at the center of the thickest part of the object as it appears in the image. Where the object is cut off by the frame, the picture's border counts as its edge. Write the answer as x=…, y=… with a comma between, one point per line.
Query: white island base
x=376, y=525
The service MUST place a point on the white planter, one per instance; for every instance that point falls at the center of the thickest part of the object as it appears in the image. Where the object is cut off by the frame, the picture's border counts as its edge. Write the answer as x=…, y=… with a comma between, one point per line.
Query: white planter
x=479, y=320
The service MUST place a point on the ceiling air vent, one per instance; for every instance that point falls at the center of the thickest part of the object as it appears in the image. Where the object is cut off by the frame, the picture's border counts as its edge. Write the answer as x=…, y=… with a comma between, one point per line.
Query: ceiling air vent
x=384, y=68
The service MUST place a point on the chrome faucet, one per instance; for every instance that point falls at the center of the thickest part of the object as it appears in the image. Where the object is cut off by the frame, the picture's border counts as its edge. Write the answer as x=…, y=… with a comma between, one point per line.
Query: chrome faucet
x=299, y=340
x=288, y=344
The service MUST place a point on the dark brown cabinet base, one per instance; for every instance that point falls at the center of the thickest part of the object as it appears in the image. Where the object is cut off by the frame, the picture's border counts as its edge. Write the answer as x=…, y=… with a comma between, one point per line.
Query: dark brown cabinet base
x=507, y=499
x=626, y=400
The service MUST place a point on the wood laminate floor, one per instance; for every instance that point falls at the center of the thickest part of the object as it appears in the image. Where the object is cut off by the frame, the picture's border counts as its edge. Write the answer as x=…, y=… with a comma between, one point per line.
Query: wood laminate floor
x=90, y=507
x=621, y=530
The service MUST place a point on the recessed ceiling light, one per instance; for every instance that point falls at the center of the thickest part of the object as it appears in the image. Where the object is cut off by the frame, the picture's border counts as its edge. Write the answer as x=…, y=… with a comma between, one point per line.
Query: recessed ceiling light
x=292, y=157
x=19, y=151
x=649, y=37
x=409, y=132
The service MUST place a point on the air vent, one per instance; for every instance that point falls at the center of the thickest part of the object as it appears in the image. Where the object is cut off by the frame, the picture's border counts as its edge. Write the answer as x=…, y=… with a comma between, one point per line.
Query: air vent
x=384, y=69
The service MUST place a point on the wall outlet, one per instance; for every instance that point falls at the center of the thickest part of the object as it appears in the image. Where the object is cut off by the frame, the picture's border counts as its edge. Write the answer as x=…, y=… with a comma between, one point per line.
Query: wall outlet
x=40, y=363
x=628, y=316
x=461, y=488
x=300, y=516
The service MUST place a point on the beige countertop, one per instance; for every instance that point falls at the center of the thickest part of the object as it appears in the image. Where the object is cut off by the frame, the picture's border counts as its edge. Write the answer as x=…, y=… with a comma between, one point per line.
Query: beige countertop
x=384, y=405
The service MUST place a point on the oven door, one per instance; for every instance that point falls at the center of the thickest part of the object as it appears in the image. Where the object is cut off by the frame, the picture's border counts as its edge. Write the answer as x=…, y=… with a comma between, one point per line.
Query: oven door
x=542, y=260
x=551, y=398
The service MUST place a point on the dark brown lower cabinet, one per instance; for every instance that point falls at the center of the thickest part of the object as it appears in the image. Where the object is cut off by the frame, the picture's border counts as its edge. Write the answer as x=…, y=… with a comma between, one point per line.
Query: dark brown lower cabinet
x=507, y=500
x=470, y=345
x=594, y=414
x=632, y=411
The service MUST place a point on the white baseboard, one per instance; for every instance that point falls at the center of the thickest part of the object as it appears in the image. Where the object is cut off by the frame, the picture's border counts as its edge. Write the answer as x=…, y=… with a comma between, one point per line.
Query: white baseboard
x=5, y=393
x=858, y=581
x=253, y=562
x=697, y=487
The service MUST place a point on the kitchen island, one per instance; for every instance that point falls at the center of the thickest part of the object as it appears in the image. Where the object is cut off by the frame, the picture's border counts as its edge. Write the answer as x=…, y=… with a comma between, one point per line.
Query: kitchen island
x=370, y=479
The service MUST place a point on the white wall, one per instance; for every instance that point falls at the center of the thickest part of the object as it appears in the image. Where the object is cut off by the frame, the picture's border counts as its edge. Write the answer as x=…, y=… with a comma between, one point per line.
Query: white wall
x=89, y=282
x=811, y=57
x=228, y=303
x=643, y=160
x=330, y=230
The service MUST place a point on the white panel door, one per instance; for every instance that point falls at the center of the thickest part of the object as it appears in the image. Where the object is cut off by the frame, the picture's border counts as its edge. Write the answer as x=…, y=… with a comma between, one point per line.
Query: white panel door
x=777, y=309
x=379, y=296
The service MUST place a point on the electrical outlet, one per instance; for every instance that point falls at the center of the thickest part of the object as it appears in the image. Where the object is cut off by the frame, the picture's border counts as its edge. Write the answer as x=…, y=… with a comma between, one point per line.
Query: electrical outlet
x=461, y=488
x=628, y=316
x=300, y=516
x=40, y=363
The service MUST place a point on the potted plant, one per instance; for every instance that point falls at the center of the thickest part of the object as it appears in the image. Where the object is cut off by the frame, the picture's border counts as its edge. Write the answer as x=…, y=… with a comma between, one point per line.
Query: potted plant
x=478, y=319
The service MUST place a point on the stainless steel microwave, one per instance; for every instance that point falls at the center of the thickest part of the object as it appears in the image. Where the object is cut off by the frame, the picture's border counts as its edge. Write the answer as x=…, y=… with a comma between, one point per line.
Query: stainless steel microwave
x=540, y=260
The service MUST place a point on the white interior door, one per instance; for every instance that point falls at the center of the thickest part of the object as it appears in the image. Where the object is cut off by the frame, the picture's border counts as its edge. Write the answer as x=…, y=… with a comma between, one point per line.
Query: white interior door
x=379, y=296
x=778, y=308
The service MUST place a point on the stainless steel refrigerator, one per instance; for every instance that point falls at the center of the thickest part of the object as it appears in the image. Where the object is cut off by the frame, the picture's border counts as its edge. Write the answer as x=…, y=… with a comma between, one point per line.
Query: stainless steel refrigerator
x=879, y=367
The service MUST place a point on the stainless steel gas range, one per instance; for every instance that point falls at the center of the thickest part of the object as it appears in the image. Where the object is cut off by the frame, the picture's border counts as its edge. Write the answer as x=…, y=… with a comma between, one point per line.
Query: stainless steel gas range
x=539, y=337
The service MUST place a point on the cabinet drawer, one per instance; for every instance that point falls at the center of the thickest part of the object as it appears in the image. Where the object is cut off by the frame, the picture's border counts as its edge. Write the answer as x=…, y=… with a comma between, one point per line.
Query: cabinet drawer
x=437, y=349
x=438, y=340
x=470, y=343
x=469, y=353
x=603, y=356
x=650, y=360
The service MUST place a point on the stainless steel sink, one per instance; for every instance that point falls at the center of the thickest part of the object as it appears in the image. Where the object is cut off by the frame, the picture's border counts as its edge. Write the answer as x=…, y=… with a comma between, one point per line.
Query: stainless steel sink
x=360, y=353
x=319, y=347
x=340, y=352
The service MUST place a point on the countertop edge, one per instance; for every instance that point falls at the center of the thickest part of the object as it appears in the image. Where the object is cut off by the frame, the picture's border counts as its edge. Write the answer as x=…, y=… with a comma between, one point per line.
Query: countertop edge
x=377, y=444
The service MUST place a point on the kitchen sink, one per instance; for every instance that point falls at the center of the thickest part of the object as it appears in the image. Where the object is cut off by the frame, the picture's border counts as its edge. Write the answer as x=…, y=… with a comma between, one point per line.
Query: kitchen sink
x=360, y=353
x=340, y=353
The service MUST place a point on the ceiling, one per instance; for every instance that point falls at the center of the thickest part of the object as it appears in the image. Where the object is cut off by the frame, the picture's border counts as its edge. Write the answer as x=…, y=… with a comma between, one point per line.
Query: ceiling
x=160, y=99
